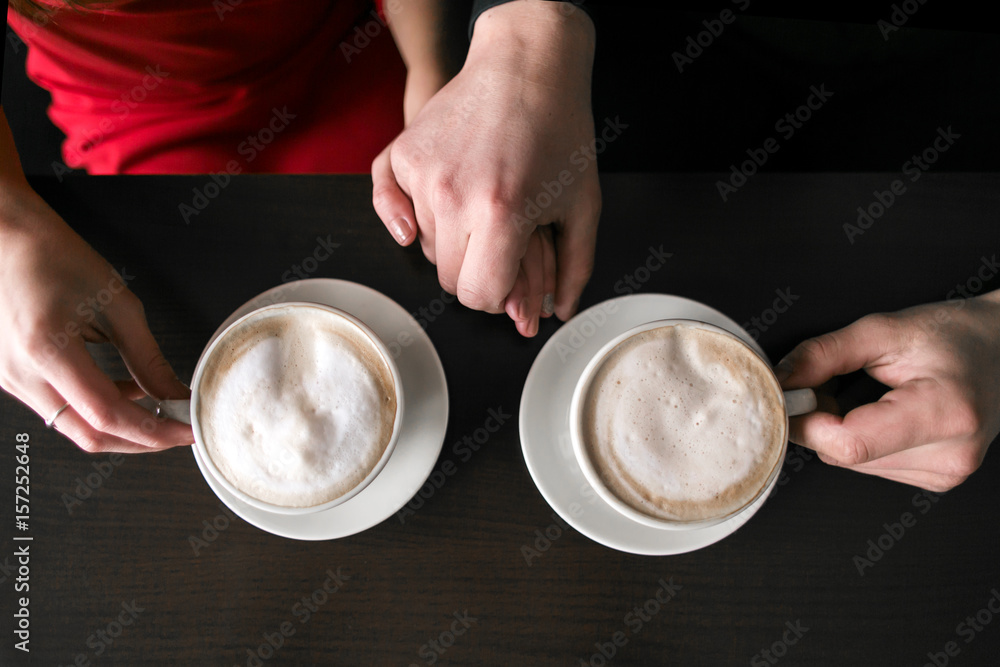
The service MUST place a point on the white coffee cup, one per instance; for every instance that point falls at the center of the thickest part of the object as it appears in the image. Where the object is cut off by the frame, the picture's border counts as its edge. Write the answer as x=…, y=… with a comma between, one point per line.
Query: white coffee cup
x=791, y=403
x=188, y=411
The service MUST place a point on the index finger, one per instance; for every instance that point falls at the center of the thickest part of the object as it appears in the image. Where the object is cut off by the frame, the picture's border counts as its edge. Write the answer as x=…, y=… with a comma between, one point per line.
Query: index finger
x=815, y=361
x=910, y=416
x=101, y=404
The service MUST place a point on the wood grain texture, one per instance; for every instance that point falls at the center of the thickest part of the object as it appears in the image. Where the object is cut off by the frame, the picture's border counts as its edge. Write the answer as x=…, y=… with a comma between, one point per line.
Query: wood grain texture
x=461, y=551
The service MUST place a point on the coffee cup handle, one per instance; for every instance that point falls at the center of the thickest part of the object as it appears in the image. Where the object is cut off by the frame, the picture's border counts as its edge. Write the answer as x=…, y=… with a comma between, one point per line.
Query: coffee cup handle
x=799, y=401
x=173, y=409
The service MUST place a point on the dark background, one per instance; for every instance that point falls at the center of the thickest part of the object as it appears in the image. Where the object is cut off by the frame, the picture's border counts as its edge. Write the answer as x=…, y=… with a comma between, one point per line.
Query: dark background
x=793, y=562
x=890, y=95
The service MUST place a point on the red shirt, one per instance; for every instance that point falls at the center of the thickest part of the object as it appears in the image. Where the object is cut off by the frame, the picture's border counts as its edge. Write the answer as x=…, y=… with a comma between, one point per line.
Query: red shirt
x=193, y=86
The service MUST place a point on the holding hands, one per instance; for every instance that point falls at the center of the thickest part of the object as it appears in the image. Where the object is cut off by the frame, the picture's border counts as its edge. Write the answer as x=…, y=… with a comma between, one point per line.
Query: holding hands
x=460, y=176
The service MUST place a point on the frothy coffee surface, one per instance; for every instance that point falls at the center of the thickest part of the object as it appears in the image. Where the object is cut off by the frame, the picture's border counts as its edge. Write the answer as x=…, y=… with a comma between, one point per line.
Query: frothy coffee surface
x=296, y=406
x=683, y=423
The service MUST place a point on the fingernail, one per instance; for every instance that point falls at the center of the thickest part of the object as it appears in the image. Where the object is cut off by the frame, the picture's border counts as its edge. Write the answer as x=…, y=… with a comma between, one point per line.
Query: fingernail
x=522, y=309
x=400, y=228
x=548, y=304
x=533, y=327
x=783, y=369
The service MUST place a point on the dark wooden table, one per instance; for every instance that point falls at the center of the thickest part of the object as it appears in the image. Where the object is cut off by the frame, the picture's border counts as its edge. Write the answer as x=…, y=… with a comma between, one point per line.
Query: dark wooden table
x=129, y=573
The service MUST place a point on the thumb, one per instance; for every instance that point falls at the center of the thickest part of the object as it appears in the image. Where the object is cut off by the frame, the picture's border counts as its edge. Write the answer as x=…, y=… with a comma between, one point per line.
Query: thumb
x=908, y=416
x=143, y=357
x=859, y=345
x=390, y=202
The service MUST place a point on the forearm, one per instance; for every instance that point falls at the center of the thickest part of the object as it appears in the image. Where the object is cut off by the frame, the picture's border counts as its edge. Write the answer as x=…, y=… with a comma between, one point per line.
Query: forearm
x=25, y=218
x=429, y=35
x=12, y=180
x=538, y=40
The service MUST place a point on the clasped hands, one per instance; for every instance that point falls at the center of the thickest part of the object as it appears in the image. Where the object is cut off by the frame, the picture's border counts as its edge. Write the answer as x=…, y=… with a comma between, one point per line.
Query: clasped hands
x=474, y=157
x=466, y=179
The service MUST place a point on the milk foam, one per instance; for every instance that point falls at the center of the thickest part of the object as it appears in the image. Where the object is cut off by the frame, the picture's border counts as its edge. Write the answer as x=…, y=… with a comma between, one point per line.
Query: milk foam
x=683, y=423
x=296, y=407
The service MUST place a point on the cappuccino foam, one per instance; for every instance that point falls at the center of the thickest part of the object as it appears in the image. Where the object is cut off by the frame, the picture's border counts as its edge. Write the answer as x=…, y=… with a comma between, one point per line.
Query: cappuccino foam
x=682, y=423
x=296, y=406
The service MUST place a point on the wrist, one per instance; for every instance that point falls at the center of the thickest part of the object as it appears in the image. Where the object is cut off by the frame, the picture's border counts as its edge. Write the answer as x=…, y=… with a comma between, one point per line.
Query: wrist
x=539, y=40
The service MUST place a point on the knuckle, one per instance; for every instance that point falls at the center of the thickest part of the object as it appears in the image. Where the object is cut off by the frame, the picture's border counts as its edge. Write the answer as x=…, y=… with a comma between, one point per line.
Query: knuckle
x=446, y=197
x=89, y=444
x=381, y=198
x=478, y=296
x=101, y=416
x=497, y=213
x=852, y=450
x=37, y=348
x=819, y=347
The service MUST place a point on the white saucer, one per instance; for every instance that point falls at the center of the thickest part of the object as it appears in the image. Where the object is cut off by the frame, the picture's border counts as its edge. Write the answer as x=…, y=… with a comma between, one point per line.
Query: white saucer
x=424, y=421
x=544, y=425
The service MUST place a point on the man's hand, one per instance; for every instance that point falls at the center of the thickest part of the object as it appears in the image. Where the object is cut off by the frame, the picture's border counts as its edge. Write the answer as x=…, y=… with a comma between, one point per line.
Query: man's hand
x=467, y=177
x=932, y=429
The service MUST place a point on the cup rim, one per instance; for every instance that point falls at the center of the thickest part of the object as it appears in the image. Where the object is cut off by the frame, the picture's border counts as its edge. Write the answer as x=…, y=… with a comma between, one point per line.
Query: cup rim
x=586, y=465
x=199, y=440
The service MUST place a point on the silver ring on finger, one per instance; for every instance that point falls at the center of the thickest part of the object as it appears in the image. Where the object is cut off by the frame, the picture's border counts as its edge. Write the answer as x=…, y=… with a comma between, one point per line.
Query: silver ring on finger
x=50, y=422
